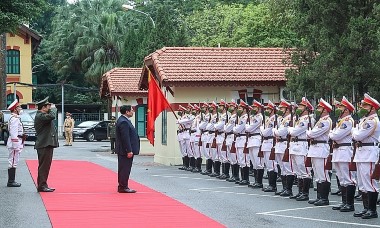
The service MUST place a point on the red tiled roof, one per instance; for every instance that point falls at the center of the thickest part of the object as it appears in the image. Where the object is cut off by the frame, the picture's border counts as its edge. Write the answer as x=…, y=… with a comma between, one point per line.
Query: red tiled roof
x=121, y=82
x=197, y=66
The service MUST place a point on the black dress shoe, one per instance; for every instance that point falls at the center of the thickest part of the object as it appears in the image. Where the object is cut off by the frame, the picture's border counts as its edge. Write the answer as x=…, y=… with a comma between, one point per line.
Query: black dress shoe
x=13, y=184
x=45, y=189
x=126, y=190
x=370, y=214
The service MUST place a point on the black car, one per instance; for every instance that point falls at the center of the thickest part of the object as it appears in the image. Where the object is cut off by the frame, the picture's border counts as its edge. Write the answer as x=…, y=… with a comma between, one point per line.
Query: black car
x=91, y=130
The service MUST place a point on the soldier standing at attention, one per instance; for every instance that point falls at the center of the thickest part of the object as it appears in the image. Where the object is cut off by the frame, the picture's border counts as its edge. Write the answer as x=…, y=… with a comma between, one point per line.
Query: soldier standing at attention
x=181, y=141
x=319, y=151
x=254, y=143
x=241, y=139
x=367, y=136
x=205, y=119
x=195, y=137
x=266, y=147
x=281, y=133
x=299, y=147
x=46, y=141
x=15, y=142
x=211, y=134
x=112, y=133
x=220, y=137
x=230, y=138
x=69, y=126
x=342, y=154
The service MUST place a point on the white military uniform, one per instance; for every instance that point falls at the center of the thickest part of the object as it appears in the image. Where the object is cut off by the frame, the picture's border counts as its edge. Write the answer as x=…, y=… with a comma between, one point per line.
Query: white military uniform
x=195, y=136
x=266, y=147
x=219, y=127
x=15, y=143
x=205, y=136
x=368, y=132
x=320, y=150
x=299, y=146
x=281, y=134
x=184, y=135
x=241, y=138
x=211, y=135
x=341, y=135
x=254, y=140
x=230, y=137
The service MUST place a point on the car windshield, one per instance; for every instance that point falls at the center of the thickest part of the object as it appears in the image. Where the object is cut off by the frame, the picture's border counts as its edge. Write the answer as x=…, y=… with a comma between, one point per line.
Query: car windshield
x=88, y=124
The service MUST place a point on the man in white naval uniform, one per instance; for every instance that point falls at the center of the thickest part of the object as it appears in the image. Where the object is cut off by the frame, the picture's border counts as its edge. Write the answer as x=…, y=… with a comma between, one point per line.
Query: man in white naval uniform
x=195, y=137
x=267, y=144
x=230, y=141
x=211, y=137
x=342, y=154
x=281, y=134
x=220, y=137
x=254, y=143
x=15, y=142
x=367, y=137
x=241, y=139
x=205, y=151
x=319, y=151
x=299, y=147
x=181, y=140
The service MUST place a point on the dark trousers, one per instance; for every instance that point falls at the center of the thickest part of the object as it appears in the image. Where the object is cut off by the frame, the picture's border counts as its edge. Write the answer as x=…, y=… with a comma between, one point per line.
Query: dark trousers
x=45, y=156
x=112, y=140
x=124, y=170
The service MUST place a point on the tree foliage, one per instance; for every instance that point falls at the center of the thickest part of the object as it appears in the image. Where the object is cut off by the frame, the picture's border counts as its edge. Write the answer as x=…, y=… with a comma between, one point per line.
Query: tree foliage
x=340, y=47
x=16, y=12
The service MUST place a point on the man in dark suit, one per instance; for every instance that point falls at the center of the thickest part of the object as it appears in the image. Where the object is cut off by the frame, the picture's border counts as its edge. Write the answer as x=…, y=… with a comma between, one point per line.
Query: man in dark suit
x=46, y=141
x=127, y=145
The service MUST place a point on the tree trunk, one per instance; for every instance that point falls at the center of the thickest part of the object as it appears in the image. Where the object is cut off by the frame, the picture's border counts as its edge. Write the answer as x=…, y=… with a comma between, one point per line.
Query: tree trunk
x=3, y=72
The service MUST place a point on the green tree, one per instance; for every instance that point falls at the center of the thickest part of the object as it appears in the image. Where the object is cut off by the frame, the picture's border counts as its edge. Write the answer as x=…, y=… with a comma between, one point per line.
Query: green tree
x=340, y=48
x=12, y=14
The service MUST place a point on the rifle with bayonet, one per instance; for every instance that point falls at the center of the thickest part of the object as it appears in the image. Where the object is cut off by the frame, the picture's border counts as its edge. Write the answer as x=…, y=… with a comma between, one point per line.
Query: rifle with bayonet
x=246, y=150
x=308, y=159
x=352, y=165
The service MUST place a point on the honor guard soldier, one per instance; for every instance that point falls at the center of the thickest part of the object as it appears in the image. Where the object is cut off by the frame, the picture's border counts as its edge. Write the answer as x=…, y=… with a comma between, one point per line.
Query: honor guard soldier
x=190, y=150
x=319, y=151
x=267, y=144
x=112, y=133
x=299, y=147
x=213, y=109
x=220, y=138
x=195, y=137
x=69, y=126
x=254, y=142
x=205, y=151
x=230, y=141
x=367, y=137
x=343, y=152
x=280, y=132
x=181, y=141
x=241, y=140
x=15, y=142
x=186, y=122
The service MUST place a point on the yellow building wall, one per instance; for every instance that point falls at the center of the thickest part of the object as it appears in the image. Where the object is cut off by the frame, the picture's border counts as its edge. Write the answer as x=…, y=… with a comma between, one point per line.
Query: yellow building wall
x=25, y=75
x=169, y=154
x=145, y=147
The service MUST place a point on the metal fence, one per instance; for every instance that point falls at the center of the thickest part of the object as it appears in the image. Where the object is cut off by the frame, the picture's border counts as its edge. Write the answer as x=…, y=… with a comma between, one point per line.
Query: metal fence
x=81, y=117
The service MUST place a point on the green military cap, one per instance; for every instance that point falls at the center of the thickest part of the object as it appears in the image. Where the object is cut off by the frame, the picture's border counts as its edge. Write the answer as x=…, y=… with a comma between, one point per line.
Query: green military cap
x=43, y=102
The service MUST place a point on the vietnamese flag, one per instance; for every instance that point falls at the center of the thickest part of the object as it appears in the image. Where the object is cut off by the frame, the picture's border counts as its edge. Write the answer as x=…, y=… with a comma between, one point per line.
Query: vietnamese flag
x=156, y=104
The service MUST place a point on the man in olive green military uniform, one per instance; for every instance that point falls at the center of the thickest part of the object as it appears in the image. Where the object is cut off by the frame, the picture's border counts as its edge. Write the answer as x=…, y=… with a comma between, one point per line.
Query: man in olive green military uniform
x=112, y=133
x=46, y=141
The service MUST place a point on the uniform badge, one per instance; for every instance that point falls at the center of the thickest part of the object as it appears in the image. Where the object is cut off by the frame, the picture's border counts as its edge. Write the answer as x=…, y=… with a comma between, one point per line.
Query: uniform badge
x=270, y=125
x=286, y=124
x=302, y=124
x=366, y=126
x=320, y=125
x=343, y=126
x=255, y=121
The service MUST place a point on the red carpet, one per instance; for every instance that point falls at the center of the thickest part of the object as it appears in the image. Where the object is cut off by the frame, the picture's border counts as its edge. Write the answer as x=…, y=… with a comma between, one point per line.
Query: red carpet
x=86, y=196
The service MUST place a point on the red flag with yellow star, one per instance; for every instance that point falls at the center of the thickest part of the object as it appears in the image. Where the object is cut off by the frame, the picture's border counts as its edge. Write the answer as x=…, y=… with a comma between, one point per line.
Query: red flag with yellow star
x=156, y=104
